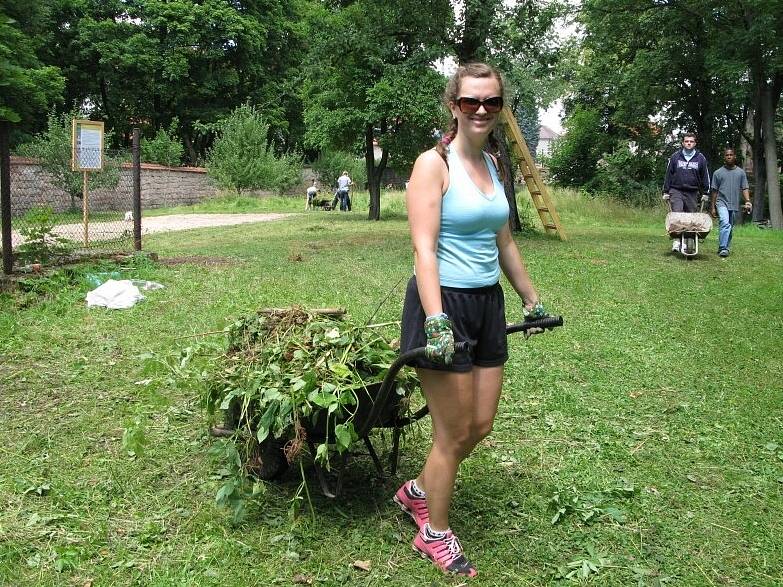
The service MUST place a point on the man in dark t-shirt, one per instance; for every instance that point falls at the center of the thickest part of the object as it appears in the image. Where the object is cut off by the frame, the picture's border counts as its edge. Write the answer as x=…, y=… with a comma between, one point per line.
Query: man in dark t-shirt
x=727, y=184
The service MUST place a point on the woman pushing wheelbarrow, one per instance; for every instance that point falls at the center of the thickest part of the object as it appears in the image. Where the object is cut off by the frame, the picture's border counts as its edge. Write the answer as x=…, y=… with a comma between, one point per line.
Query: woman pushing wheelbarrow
x=458, y=218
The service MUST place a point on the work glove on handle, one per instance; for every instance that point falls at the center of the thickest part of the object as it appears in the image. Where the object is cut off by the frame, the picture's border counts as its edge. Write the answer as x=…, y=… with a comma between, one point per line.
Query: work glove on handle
x=536, y=312
x=705, y=198
x=748, y=207
x=666, y=197
x=440, y=339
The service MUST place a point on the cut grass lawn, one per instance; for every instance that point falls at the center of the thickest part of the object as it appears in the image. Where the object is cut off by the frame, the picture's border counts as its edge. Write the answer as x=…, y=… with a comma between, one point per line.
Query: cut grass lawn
x=650, y=425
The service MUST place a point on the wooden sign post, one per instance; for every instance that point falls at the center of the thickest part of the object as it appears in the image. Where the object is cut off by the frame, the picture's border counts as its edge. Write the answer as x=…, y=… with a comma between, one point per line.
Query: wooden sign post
x=86, y=156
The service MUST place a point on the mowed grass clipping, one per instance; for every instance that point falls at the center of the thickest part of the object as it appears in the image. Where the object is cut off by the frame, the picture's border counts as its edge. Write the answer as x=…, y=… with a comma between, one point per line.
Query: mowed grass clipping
x=640, y=444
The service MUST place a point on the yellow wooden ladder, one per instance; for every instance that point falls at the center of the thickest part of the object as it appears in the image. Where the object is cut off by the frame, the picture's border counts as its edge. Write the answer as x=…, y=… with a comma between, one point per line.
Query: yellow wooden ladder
x=535, y=185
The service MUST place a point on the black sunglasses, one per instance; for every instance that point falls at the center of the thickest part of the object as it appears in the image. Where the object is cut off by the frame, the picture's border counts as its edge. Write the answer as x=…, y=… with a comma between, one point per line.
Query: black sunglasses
x=471, y=105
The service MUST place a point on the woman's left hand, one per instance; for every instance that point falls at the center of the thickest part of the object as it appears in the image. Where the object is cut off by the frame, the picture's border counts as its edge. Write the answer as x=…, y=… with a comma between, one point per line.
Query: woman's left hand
x=534, y=312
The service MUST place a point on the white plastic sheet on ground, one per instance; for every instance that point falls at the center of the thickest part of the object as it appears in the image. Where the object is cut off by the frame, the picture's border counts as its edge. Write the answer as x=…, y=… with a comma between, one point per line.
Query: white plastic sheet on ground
x=119, y=294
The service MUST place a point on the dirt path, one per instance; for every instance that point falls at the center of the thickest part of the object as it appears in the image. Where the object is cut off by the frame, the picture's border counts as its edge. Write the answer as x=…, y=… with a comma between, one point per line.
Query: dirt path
x=153, y=224
x=172, y=222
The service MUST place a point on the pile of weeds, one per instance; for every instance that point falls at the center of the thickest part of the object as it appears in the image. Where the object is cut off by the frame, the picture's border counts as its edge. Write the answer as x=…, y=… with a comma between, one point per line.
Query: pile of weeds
x=292, y=375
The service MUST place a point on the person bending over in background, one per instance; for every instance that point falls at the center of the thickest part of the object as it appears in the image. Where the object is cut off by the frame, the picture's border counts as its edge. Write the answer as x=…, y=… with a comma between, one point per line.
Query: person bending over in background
x=312, y=191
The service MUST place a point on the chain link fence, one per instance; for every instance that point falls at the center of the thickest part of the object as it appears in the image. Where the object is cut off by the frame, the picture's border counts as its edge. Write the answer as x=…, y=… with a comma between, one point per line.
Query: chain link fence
x=56, y=212
x=47, y=219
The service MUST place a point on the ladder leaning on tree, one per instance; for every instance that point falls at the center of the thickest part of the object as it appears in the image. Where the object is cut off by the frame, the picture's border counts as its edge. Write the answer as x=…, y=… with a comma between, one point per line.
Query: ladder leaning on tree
x=535, y=185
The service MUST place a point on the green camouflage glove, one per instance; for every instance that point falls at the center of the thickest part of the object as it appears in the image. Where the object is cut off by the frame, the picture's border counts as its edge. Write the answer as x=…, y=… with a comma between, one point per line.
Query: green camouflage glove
x=536, y=312
x=440, y=339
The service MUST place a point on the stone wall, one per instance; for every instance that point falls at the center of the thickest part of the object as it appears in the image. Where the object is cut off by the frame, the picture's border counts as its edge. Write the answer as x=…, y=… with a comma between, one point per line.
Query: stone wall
x=161, y=186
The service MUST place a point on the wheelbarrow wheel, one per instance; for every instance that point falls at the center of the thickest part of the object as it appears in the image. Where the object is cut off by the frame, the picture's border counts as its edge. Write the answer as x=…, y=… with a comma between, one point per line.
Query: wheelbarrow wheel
x=266, y=461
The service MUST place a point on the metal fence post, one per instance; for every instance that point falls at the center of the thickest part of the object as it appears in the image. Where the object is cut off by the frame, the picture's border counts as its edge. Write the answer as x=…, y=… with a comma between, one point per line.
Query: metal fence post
x=136, y=189
x=5, y=197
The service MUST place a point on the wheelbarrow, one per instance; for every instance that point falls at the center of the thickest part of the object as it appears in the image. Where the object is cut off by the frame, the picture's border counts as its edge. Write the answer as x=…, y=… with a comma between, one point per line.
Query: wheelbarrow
x=377, y=408
x=689, y=228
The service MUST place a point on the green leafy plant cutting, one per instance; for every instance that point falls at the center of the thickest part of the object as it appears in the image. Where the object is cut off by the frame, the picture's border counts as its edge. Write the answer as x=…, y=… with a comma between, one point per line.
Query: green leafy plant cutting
x=290, y=378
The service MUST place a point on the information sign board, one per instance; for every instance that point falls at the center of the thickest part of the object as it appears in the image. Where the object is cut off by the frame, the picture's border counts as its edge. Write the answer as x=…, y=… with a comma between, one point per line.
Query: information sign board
x=87, y=145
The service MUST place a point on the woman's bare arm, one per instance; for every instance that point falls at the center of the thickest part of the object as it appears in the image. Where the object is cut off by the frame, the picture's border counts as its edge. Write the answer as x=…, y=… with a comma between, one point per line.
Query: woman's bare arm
x=428, y=183
x=514, y=268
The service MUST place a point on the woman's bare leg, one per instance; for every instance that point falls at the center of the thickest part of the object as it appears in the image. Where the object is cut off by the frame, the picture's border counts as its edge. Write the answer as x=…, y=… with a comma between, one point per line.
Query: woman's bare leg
x=462, y=407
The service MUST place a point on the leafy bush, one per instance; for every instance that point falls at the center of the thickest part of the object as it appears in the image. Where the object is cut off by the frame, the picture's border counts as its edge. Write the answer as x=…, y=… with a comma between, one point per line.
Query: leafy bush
x=243, y=158
x=628, y=176
x=52, y=149
x=587, y=158
x=575, y=155
x=165, y=148
x=330, y=164
x=40, y=241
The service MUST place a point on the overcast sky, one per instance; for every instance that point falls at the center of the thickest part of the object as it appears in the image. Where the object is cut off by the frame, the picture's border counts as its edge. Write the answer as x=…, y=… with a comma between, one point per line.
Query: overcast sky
x=551, y=117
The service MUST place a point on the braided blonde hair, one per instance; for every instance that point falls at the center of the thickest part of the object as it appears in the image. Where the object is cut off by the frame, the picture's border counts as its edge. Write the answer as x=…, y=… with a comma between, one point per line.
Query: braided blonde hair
x=452, y=93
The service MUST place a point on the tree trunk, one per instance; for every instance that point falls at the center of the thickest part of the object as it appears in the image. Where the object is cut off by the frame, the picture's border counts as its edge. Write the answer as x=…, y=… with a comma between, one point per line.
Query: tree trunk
x=192, y=155
x=771, y=156
x=477, y=16
x=106, y=109
x=374, y=173
x=759, y=169
x=508, y=183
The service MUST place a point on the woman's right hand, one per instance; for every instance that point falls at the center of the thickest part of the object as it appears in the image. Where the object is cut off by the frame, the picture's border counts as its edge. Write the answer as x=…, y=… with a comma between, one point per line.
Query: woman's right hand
x=440, y=339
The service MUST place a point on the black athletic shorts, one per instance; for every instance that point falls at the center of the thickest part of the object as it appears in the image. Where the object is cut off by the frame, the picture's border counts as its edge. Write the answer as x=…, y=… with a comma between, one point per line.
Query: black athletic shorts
x=478, y=316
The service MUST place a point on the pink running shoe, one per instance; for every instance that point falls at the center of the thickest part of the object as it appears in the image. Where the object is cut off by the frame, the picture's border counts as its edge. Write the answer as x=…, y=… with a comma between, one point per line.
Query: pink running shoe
x=445, y=552
x=415, y=507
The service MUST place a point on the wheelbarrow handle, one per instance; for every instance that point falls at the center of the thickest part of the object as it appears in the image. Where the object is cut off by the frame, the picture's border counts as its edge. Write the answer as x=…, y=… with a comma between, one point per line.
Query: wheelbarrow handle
x=547, y=323
x=386, y=387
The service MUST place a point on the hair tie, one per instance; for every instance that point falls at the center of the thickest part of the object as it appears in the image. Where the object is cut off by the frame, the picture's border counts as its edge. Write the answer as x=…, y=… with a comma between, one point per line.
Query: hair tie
x=446, y=140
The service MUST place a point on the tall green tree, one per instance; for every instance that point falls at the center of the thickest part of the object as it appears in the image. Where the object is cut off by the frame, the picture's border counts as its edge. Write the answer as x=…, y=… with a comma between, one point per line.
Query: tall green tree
x=370, y=81
x=153, y=61
x=642, y=58
x=750, y=45
x=242, y=157
x=27, y=86
x=519, y=39
x=654, y=68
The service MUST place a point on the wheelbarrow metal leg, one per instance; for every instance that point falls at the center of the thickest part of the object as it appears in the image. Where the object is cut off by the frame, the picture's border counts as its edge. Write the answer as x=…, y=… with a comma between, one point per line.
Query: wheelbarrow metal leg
x=375, y=459
x=341, y=473
x=394, y=456
x=319, y=471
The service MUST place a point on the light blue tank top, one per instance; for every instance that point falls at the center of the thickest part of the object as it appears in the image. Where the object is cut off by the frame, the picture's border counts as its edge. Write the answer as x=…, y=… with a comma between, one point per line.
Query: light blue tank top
x=469, y=223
